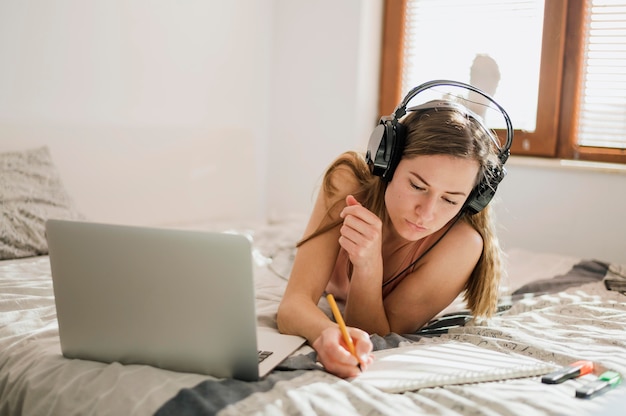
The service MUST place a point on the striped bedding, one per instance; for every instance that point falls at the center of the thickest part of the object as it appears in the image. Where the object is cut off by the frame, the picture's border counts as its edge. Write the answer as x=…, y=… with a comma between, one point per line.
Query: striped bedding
x=554, y=308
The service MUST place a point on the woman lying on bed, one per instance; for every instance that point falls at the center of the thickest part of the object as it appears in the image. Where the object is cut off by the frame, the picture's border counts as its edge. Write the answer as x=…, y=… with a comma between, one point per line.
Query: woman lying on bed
x=397, y=251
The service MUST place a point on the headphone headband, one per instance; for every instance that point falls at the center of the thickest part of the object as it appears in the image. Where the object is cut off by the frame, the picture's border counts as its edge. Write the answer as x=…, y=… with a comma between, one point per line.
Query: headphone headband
x=451, y=105
x=401, y=109
x=386, y=143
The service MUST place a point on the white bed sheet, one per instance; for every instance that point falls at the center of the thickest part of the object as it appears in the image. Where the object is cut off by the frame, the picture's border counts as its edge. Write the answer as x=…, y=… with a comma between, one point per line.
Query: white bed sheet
x=36, y=380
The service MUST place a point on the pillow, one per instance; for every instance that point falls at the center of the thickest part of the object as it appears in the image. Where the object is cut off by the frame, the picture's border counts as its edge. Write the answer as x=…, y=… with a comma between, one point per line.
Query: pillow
x=31, y=192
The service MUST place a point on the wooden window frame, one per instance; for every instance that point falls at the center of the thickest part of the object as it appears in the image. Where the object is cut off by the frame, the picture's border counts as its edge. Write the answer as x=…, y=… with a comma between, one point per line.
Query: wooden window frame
x=559, y=78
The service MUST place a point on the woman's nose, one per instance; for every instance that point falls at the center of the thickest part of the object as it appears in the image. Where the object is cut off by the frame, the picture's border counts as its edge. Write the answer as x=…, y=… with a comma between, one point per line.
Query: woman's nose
x=426, y=208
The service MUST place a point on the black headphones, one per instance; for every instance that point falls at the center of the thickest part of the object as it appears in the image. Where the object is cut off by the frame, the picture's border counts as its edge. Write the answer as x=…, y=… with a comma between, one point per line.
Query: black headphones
x=386, y=143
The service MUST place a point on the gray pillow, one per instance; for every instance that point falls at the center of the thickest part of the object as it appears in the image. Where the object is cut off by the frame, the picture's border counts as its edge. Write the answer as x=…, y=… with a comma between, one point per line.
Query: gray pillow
x=31, y=192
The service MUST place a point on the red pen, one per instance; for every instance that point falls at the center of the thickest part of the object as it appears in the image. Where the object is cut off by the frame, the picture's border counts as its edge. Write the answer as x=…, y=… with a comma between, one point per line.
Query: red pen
x=577, y=369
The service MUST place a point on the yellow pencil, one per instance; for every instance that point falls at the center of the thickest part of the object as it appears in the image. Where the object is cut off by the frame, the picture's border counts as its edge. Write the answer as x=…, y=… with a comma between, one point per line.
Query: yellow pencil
x=342, y=326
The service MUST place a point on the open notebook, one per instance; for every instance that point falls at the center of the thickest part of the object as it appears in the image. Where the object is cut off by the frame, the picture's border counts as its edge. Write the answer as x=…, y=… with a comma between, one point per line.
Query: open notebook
x=419, y=366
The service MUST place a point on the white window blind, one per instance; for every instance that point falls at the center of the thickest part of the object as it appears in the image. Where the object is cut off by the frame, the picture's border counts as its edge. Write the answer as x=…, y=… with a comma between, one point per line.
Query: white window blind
x=494, y=45
x=602, y=120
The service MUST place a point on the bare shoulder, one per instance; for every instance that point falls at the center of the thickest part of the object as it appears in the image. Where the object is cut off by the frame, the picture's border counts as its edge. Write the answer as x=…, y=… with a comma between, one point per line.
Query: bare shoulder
x=340, y=180
x=456, y=254
x=464, y=238
x=344, y=176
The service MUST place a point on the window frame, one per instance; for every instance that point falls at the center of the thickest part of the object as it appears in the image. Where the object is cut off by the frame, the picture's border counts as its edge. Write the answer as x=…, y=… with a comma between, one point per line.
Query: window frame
x=559, y=78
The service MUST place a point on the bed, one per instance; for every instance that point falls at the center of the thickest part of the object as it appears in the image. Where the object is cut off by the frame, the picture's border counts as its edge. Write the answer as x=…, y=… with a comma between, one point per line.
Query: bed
x=554, y=308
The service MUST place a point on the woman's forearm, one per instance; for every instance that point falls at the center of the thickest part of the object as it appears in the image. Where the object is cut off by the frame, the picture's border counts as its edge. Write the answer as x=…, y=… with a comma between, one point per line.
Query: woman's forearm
x=364, y=304
x=301, y=316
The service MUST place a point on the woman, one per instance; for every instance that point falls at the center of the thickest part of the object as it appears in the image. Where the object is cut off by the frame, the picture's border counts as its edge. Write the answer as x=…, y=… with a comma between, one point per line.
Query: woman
x=397, y=251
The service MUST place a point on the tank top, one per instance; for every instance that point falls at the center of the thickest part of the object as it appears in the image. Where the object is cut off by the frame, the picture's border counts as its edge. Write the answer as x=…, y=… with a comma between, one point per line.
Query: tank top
x=340, y=277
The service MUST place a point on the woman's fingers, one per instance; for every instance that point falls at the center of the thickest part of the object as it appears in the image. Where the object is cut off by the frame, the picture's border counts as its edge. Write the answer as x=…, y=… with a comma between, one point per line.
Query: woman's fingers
x=360, y=231
x=362, y=345
x=351, y=201
x=335, y=357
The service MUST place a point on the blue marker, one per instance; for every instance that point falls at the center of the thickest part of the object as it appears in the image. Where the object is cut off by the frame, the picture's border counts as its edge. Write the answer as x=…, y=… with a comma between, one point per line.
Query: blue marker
x=607, y=381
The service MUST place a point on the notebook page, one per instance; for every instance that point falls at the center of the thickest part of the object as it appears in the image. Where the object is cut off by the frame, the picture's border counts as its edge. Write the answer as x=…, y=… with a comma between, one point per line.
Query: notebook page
x=433, y=365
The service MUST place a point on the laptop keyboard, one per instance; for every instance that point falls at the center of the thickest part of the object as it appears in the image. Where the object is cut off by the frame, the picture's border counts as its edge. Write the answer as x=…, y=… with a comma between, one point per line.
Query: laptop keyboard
x=264, y=354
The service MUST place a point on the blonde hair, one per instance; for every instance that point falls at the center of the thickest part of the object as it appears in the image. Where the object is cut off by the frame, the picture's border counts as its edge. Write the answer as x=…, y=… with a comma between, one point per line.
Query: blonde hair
x=441, y=131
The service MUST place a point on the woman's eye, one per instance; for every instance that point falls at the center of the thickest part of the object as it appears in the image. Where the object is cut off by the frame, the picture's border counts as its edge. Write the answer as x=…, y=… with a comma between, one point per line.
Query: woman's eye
x=423, y=189
x=417, y=187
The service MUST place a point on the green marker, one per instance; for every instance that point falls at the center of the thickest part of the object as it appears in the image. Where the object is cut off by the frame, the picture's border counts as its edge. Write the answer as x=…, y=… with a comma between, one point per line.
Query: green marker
x=607, y=381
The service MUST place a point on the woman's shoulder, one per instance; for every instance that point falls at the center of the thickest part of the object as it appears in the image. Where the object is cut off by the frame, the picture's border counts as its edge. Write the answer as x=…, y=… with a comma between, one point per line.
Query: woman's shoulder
x=345, y=175
x=464, y=238
x=349, y=161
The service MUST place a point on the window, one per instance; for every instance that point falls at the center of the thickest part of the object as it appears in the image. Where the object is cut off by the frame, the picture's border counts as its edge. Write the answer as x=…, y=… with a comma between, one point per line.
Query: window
x=562, y=66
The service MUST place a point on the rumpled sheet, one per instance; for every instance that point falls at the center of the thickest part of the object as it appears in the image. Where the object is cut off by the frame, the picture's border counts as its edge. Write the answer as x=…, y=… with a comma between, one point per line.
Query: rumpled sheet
x=585, y=322
x=582, y=322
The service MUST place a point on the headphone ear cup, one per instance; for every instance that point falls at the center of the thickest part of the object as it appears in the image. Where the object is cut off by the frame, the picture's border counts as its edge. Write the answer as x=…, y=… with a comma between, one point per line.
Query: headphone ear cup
x=483, y=193
x=376, y=150
x=396, y=148
x=385, y=148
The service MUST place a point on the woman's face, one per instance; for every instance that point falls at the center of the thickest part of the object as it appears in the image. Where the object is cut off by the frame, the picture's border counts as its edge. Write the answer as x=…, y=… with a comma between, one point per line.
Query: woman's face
x=428, y=191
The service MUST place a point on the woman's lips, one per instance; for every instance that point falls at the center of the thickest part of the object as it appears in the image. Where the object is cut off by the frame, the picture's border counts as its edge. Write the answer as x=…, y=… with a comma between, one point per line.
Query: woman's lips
x=416, y=227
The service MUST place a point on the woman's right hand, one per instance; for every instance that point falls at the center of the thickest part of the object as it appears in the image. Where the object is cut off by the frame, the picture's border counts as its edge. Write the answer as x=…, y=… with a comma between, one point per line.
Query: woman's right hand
x=334, y=355
x=361, y=234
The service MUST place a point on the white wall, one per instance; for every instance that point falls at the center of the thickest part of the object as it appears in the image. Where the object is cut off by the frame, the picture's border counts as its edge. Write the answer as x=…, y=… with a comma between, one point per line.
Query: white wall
x=324, y=92
x=575, y=210
x=156, y=111
x=162, y=112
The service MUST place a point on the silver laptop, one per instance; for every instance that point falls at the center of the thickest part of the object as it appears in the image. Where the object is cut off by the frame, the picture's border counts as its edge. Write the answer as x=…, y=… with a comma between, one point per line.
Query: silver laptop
x=176, y=299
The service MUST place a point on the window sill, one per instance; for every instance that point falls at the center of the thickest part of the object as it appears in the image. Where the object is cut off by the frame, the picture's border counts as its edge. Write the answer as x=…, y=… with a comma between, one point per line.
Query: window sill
x=577, y=165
